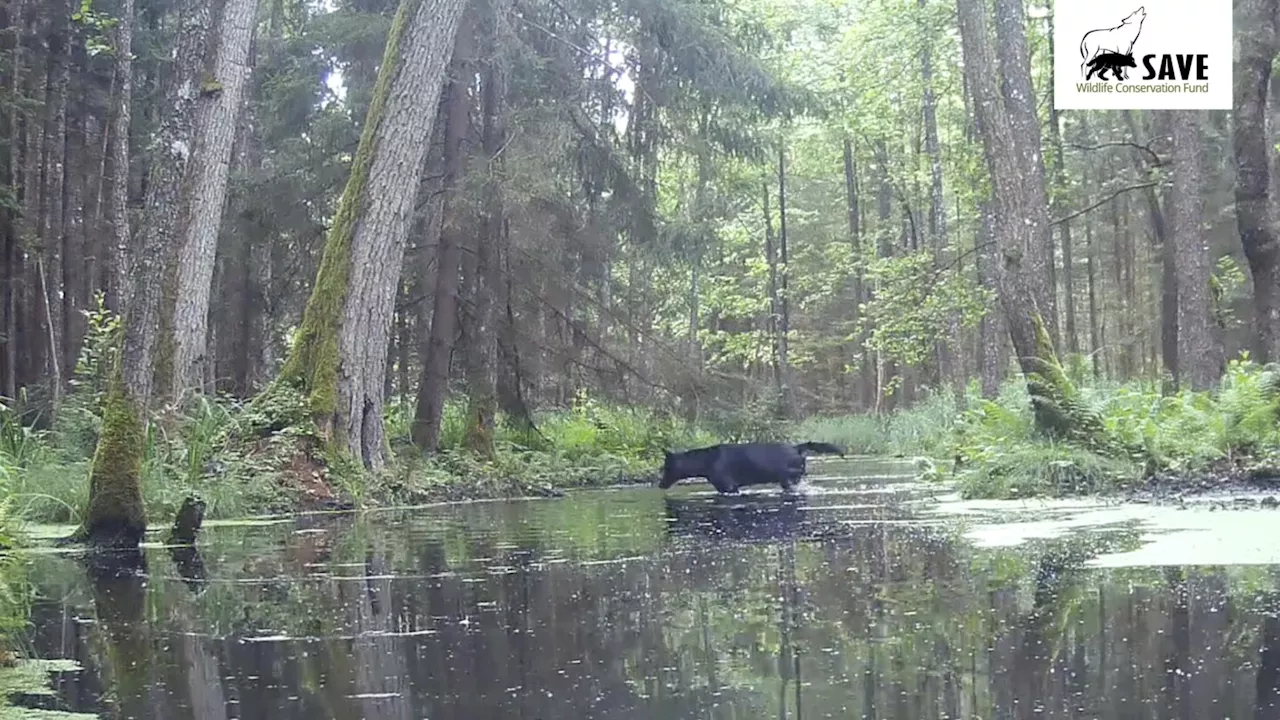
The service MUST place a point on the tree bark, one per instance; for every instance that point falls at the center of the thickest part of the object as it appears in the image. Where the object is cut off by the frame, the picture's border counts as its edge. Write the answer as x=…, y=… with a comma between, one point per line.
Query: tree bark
x=1059, y=210
x=866, y=378
x=1020, y=106
x=13, y=178
x=434, y=381
x=1199, y=350
x=115, y=516
x=482, y=330
x=54, y=164
x=339, y=357
x=119, y=132
x=775, y=303
x=946, y=347
x=991, y=330
x=1255, y=216
x=170, y=153
x=217, y=114
x=784, y=310
x=1015, y=200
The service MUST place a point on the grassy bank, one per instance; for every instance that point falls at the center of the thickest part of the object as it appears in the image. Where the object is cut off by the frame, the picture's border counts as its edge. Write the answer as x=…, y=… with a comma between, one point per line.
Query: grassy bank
x=46, y=470
x=1183, y=441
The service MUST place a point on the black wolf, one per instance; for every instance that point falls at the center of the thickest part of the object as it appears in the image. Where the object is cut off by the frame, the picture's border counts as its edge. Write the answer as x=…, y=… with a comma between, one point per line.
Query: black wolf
x=1115, y=62
x=1119, y=39
x=729, y=467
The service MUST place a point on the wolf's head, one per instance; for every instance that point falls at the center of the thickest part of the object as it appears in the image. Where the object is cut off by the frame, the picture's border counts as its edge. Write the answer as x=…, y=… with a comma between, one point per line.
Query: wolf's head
x=1136, y=17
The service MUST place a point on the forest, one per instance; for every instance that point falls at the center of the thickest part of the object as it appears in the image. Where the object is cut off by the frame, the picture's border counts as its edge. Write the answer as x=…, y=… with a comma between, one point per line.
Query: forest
x=285, y=253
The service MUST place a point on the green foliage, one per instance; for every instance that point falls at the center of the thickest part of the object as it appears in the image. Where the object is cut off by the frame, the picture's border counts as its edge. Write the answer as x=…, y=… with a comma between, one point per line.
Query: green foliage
x=1227, y=285
x=916, y=302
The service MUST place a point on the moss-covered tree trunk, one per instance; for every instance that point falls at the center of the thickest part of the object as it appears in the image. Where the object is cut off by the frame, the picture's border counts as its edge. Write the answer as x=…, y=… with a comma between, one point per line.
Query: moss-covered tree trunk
x=115, y=516
x=217, y=112
x=339, y=357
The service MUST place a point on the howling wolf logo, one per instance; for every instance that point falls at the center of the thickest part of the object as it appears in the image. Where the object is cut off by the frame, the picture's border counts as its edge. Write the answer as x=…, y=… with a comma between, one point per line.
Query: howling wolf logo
x=1110, y=42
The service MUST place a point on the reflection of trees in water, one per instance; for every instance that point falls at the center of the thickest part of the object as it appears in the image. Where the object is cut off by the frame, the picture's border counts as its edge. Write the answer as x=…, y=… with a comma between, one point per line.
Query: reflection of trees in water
x=885, y=622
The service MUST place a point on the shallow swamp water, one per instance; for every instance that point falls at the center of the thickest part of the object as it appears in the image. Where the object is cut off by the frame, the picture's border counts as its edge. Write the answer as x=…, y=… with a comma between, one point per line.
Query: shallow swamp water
x=868, y=596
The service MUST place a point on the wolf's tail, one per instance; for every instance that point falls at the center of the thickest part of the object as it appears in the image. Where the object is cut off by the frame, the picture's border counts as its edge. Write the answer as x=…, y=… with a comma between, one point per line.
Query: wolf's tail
x=819, y=448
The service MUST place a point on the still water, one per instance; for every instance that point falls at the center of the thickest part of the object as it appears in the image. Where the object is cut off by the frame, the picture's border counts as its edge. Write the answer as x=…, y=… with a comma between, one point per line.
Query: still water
x=848, y=602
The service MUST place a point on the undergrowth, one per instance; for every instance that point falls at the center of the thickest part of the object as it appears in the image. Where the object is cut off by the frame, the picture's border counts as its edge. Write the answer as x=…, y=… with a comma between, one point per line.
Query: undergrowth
x=246, y=458
x=992, y=449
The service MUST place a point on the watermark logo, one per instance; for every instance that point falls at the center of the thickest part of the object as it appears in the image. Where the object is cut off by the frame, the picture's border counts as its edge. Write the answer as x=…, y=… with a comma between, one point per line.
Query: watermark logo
x=1162, y=54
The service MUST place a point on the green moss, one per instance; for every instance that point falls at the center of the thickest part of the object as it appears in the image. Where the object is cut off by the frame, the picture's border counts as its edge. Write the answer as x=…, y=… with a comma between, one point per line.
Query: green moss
x=312, y=365
x=116, y=515
x=209, y=85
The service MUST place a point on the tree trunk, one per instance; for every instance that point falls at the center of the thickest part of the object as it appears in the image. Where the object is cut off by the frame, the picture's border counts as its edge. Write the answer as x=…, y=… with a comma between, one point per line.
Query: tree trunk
x=884, y=249
x=1060, y=205
x=1199, y=350
x=1016, y=200
x=482, y=333
x=51, y=255
x=217, y=114
x=991, y=330
x=115, y=515
x=1020, y=107
x=1095, y=343
x=1255, y=217
x=946, y=347
x=339, y=356
x=434, y=381
x=12, y=177
x=1155, y=214
x=784, y=310
x=119, y=132
x=775, y=304
x=866, y=378
x=170, y=153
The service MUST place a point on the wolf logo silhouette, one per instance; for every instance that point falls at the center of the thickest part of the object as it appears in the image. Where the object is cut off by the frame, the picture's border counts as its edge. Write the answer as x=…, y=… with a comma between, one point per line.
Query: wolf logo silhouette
x=1111, y=48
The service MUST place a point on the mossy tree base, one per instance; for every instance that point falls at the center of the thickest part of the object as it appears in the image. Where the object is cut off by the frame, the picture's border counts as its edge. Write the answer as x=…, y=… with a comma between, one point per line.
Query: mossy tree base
x=116, y=518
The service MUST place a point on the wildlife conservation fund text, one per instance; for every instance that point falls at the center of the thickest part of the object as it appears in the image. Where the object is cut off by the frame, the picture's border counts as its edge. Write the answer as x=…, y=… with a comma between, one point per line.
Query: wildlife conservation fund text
x=1103, y=87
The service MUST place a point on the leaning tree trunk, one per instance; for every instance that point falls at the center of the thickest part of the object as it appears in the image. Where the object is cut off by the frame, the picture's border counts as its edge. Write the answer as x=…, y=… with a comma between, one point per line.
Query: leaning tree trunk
x=434, y=381
x=1254, y=215
x=339, y=357
x=1199, y=349
x=1014, y=201
x=115, y=514
x=217, y=113
x=1020, y=107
